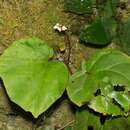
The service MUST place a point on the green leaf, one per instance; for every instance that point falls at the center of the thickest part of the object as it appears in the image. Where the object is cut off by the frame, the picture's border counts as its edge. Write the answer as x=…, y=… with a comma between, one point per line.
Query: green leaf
x=122, y=98
x=103, y=29
x=80, y=6
x=81, y=89
x=122, y=123
x=31, y=80
x=85, y=120
x=110, y=64
x=104, y=70
x=124, y=37
x=109, y=8
x=104, y=105
x=100, y=32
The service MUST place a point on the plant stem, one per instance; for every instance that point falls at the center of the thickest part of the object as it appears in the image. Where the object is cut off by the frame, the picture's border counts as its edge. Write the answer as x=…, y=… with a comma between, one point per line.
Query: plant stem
x=68, y=50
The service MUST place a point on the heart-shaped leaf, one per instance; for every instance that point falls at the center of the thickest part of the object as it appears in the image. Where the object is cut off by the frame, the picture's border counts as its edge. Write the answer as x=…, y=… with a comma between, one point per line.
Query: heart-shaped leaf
x=101, y=73
x=31, y=80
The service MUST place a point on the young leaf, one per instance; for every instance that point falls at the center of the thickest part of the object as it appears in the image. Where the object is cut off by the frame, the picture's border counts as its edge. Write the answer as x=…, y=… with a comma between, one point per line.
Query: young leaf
x=31, y=80
x=122, y=98
x=104, y=105
x=103, y=71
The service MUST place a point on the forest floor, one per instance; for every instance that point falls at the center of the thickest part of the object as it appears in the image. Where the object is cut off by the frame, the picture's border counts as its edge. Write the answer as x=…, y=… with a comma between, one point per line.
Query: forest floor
x=29, y=18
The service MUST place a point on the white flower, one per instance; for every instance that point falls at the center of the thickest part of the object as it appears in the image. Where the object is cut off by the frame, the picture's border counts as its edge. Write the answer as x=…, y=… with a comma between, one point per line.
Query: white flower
x=60, y=28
